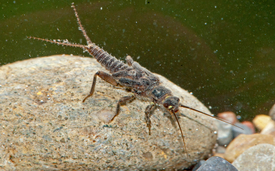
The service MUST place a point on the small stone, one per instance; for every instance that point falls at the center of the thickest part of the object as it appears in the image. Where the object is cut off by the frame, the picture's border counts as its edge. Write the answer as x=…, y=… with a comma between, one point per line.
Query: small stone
x=272, y=112
x=243, y=142
x=250, y=125
x=260, y=121
x=269, y=129
x=228, y=116
x=217, y=163
x=220, y=149
x=225, y=134
x=106, y=115
x=259, y=157
x=237, y=131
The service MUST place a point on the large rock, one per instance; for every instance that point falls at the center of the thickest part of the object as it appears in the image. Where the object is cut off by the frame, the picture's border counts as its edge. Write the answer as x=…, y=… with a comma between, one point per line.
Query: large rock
x=45, y=125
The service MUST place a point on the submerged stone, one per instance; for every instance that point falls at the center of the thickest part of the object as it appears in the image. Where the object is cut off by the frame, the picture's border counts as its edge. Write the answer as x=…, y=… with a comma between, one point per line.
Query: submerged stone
x=44, y=124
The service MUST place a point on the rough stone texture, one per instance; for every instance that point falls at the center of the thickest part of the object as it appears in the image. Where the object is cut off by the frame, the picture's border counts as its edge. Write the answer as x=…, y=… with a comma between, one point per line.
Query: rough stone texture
x=260, y=157
x=217, y=164
x=44, y=124
x=243, y=142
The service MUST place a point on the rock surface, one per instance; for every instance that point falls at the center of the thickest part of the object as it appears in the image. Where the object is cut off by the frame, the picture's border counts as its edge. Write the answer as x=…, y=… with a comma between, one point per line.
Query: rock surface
x=260, y=157
x=44, y=124
x=243, y=142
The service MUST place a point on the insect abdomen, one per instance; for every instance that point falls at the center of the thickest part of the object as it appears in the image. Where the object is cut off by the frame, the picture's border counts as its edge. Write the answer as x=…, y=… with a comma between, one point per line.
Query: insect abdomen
x=106, y=60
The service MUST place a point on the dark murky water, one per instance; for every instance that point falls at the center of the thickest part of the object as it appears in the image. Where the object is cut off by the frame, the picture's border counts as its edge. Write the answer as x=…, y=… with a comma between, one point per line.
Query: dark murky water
x=222, y=51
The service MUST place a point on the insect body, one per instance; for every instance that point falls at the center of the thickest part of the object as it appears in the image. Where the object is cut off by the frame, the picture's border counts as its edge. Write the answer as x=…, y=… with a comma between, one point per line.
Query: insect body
x=133, y=76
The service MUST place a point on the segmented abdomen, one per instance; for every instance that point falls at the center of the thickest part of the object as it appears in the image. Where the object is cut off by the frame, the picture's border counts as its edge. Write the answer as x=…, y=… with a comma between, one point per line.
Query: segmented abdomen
x=106, y=60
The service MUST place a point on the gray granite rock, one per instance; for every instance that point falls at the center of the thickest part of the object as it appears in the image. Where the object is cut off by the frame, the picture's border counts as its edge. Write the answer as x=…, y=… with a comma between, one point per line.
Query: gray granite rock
x=260, y=157
x=217, y=164
x=44, y=124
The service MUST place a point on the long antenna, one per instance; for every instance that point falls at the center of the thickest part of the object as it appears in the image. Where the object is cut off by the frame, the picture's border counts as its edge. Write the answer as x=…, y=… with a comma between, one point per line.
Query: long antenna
x=180, y=130
x=81, y=27
x=64, y=43
x=181, y=105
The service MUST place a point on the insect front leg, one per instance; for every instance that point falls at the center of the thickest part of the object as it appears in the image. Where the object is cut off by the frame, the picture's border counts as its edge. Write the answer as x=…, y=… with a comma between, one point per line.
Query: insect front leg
x=148, y=112
x=123, y=101
x=106, y=77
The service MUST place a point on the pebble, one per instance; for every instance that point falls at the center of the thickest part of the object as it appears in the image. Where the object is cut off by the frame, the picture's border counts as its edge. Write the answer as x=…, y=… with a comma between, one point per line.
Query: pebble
x=269, y=129
x=220, y=149
x=228, y=116
x=216, y=164
x=272, y=112
x=260, y=121
x=45, y=125
x=260, y=158
x=250, y=125
x=225, y=134
x=243, y=142
x=237, y=131
x=199, y=164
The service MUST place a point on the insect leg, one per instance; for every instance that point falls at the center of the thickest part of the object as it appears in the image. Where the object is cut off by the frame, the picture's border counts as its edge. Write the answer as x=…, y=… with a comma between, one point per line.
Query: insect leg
x=123, y=101
x=148, y=112
x=103, y=75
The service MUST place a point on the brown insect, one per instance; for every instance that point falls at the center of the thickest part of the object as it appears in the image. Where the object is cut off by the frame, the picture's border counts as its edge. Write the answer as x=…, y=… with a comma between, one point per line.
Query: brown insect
x=132, y=76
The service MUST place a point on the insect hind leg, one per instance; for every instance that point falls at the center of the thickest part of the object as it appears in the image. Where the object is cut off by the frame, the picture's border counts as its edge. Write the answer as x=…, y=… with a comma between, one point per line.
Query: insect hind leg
x=148, y=112
x=103, y=75
x=80, y=26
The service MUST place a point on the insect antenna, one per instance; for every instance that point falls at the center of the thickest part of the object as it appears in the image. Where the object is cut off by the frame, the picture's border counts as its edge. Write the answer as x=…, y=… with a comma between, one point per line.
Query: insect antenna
x=80, y=26
x=181, y=105
x=180, y=130
x=65, y=42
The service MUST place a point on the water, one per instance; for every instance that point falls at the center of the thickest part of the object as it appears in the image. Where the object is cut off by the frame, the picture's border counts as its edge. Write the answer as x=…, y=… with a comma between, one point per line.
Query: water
x=221, y=51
